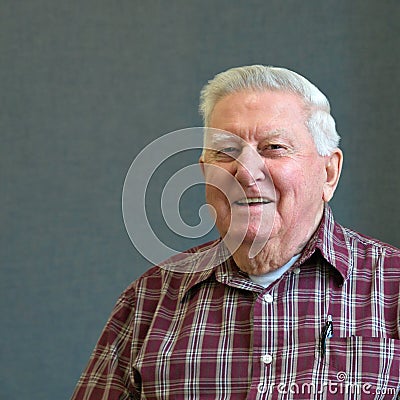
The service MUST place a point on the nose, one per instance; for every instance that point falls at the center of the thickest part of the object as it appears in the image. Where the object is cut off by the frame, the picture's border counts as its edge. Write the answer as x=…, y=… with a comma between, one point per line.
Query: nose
x=250, y=167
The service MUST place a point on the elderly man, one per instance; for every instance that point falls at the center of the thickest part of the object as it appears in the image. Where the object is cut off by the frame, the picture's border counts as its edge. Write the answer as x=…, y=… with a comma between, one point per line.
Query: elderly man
x=300, y=308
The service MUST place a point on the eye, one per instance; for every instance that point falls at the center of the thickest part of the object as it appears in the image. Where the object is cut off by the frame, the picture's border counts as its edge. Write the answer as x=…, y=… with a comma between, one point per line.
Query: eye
x=274, y=147
x=271, y=149
x=226, y=153
x=229, y=150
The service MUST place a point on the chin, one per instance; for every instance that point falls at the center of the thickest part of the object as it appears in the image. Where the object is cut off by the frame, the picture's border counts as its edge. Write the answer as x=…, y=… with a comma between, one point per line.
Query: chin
x=254, y=241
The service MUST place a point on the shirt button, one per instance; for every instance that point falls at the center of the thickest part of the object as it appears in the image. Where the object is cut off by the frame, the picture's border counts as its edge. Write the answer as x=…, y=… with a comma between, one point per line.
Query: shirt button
x=266, y=359
x=268, y=298
x=296, y=271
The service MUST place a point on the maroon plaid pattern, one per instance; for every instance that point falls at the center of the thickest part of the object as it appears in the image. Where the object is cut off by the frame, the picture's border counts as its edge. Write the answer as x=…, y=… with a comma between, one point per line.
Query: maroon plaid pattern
x=214, y=334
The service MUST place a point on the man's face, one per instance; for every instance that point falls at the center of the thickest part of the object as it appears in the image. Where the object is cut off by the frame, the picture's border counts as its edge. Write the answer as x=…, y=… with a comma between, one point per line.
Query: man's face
x=266, y=178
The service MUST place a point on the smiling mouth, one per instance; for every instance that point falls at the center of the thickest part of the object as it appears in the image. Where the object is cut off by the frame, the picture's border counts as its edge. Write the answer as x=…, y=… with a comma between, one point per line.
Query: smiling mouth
x=251, y=201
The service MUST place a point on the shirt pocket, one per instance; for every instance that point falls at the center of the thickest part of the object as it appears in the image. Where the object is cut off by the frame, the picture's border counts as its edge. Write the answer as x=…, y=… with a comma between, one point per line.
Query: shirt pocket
x=367, y=366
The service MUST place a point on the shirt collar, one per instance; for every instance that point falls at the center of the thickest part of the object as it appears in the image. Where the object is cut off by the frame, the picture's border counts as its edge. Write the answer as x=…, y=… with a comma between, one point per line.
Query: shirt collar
x=212, y=260
x=332, y=244
x=198, y=264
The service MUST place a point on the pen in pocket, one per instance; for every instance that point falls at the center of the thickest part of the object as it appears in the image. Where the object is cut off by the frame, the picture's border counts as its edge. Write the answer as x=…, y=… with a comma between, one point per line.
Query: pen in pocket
x=327, y=333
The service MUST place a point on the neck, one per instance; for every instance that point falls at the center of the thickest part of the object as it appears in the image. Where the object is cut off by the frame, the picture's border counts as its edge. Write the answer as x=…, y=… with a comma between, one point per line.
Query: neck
x=278, y=250
x=269, y=259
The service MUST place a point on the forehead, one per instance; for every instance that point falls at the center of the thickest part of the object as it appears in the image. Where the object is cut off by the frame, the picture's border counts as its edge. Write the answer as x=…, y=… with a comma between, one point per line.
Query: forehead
x=258, y=110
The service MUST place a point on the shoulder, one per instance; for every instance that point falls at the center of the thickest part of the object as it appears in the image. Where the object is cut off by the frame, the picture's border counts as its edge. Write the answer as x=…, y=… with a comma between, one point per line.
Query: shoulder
x=355, y=254
x=369, y=246
x=175, y=274
x=370, y=260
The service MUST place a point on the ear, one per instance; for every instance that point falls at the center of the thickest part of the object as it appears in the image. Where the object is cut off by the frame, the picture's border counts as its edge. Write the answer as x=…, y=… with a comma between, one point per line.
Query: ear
x=201, y=162
x=333, y=168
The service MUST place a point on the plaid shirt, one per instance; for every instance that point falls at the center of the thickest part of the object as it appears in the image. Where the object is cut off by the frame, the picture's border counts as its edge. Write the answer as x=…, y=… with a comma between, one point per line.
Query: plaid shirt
x=214, y=334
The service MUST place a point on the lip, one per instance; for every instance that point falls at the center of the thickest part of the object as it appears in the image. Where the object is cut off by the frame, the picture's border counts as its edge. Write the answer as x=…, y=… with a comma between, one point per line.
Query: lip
x=252, y=201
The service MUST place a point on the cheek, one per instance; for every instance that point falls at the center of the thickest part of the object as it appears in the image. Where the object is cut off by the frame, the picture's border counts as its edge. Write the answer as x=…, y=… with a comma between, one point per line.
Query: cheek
x=216, y=198
x=219, y=208
x=298, y=181
x=221, y=185
x=286, y=179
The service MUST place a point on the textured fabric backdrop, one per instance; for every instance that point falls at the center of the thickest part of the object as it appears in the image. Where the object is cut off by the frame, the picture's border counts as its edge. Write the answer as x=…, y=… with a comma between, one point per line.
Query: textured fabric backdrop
x=85, y=85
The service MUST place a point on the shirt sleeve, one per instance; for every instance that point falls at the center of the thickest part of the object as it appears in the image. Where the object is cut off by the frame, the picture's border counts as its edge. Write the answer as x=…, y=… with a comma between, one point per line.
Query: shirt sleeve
x=107, y=375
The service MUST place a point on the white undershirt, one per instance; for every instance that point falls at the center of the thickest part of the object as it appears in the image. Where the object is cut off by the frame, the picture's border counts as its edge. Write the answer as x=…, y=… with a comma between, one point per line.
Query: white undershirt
x=266, y=279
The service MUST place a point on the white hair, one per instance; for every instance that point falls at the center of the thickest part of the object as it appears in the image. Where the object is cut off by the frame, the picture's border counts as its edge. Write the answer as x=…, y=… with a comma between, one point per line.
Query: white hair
x=320, y=122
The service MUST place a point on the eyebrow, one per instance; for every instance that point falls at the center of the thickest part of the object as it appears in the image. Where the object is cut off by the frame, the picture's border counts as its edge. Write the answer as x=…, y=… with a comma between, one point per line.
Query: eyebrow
x=215, y=138
x=280, y=132
x=212, y=138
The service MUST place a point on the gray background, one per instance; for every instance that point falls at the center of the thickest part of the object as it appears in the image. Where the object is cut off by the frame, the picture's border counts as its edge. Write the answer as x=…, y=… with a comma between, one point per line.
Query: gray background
x=85, y=85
